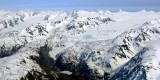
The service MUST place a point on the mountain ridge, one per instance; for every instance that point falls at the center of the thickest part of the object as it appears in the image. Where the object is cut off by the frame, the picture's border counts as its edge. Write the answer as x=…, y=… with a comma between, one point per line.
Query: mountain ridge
x=55, y=45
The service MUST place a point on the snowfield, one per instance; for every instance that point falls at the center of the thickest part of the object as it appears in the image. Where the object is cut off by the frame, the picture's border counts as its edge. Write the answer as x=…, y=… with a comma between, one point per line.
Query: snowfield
x=79, y=45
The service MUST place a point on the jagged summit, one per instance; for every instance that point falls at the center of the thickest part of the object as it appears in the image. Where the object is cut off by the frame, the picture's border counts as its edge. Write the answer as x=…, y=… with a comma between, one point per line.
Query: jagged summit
x=82, y=45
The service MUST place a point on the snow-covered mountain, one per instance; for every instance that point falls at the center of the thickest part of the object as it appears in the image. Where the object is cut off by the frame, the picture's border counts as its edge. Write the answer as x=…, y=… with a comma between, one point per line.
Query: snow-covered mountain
x=79, y=45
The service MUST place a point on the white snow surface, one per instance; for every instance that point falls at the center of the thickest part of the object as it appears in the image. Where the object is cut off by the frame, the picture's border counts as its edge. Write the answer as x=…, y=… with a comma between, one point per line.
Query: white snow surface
x=105, y=40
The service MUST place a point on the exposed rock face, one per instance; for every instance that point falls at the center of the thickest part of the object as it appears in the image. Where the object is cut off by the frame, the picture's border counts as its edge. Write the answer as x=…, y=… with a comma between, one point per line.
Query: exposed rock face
x=70, y=46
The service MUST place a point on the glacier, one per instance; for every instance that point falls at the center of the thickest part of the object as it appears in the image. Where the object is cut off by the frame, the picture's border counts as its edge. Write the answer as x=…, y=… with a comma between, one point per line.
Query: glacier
x=79, y=45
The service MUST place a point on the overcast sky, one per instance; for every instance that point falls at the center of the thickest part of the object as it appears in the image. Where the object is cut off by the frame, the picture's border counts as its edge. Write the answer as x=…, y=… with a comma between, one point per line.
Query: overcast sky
x=31, y=4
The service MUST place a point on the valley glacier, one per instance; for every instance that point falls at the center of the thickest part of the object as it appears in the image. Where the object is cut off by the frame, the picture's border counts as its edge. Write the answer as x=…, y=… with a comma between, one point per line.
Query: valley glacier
x=79, y=45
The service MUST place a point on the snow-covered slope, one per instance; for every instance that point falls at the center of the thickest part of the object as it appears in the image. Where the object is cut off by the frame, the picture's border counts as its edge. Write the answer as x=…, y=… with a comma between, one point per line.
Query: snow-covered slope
x=79, y=45
x=143, y=66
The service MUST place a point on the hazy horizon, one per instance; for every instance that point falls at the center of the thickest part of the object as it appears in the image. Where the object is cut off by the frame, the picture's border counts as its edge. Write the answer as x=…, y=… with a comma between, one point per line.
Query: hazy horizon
x=113, y=5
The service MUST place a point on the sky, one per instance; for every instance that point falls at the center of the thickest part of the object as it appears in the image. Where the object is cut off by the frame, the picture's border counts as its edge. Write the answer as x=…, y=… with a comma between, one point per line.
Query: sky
x=80, y=4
